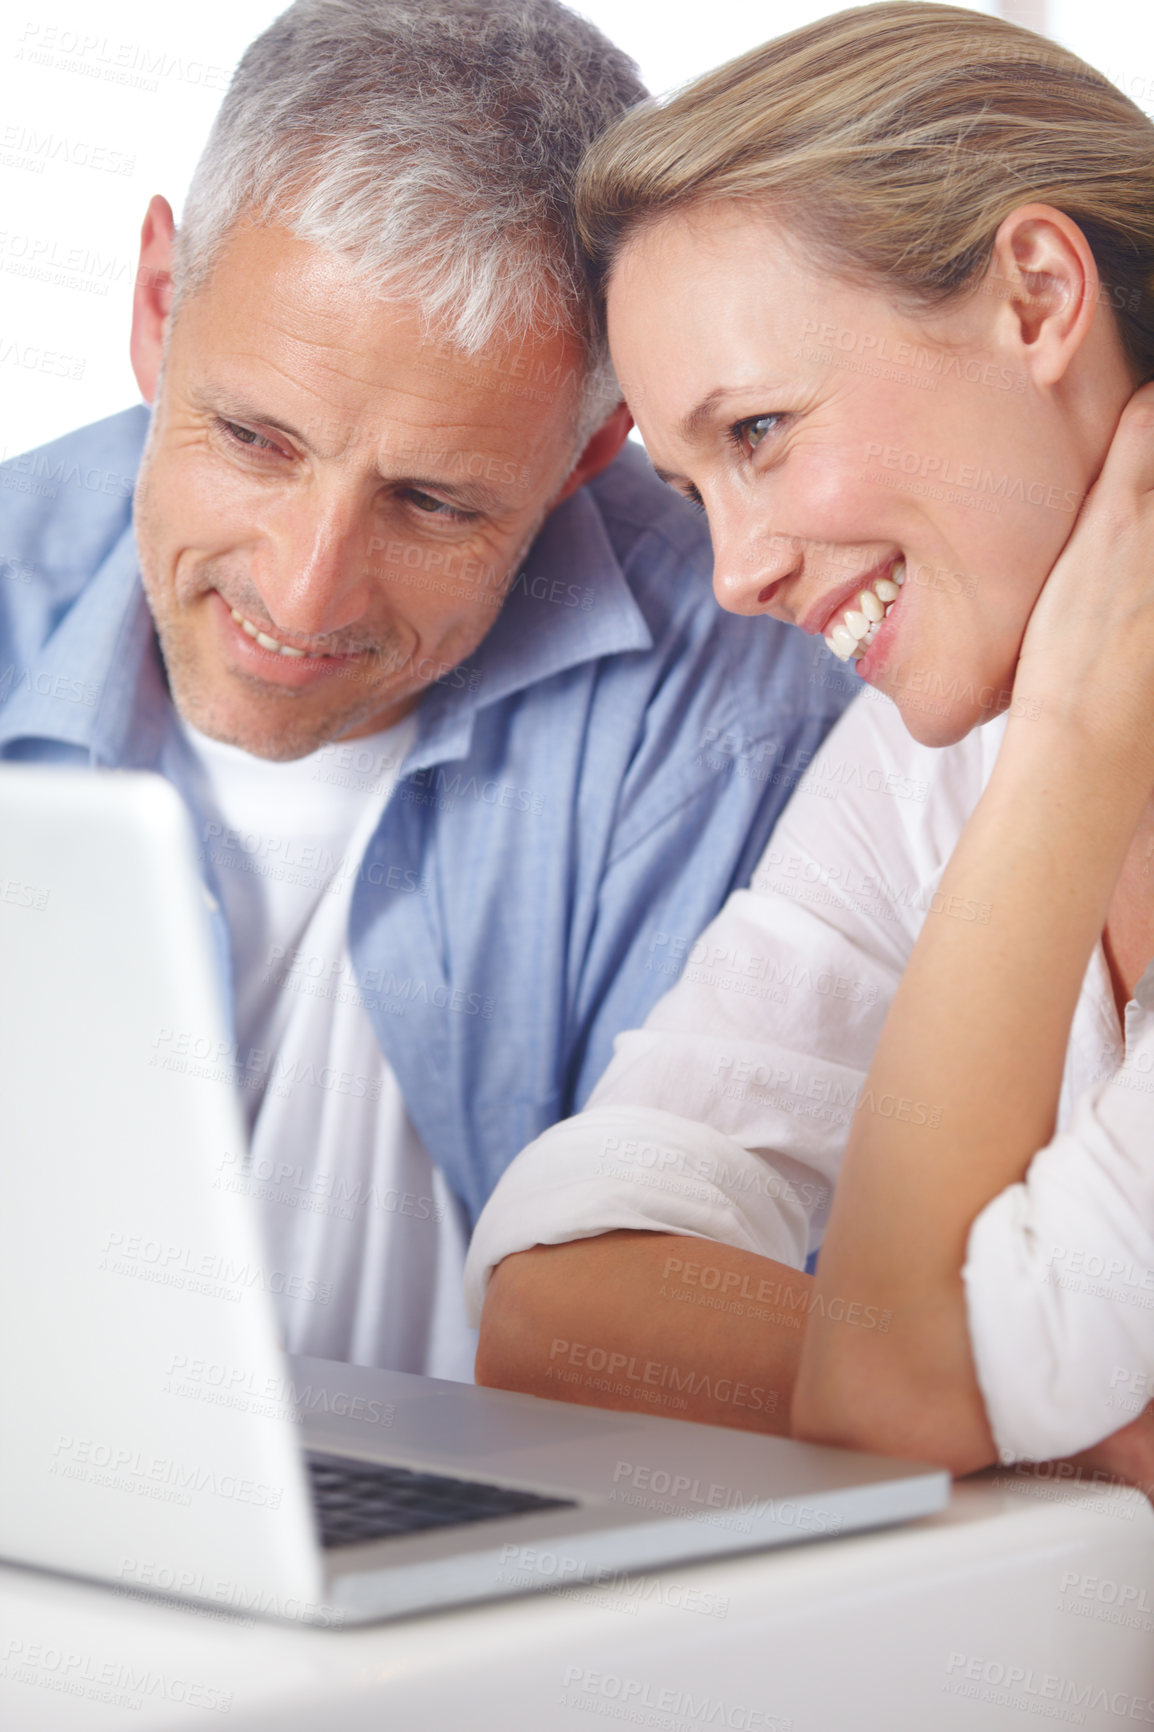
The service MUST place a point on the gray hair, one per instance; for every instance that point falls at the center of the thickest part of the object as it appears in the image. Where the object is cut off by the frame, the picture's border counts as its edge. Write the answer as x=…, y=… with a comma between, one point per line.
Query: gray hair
x=436, y=144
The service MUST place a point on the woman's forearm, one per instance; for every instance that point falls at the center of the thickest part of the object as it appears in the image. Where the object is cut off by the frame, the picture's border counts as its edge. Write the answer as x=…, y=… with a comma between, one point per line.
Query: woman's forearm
x=972, y=1052
x=649, y=1323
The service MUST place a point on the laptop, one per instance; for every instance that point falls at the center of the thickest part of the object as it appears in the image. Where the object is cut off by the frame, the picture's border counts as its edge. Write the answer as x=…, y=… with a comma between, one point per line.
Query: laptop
x=154, y=1435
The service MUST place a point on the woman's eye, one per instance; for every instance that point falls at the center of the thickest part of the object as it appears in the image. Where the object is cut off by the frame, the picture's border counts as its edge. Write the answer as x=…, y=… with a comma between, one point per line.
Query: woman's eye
x=749, y=434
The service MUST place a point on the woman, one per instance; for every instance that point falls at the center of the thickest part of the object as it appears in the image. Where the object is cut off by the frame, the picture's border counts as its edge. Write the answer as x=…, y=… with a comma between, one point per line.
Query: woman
x=880, y=299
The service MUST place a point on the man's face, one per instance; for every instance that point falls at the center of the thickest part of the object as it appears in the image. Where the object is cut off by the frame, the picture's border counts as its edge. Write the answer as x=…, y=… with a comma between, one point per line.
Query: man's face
x=323, y=475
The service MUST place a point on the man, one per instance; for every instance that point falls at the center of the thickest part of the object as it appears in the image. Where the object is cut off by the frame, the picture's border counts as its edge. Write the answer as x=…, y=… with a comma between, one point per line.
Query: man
x=470, y=752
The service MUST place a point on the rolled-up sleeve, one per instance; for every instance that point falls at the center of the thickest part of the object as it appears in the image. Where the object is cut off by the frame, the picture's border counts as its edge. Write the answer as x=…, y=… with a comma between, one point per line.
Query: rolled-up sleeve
x=1059, y=1275
x=640, y=1169
x=726, y=1116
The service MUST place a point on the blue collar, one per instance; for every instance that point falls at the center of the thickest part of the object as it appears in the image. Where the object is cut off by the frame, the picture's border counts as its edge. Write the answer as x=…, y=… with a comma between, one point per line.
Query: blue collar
x=570, y=603
x=98, y=682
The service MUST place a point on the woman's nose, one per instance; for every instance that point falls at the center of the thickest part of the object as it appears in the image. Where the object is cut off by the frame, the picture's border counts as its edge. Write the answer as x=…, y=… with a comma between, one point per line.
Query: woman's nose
x=748, y=562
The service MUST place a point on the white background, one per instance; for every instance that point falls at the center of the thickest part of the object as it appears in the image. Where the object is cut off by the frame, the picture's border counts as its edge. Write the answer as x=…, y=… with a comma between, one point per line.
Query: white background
x=102, y=104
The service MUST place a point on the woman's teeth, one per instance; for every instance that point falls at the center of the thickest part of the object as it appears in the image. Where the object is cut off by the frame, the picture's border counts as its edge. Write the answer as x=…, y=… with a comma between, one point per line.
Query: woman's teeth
x=861, y=622
x=270, y=643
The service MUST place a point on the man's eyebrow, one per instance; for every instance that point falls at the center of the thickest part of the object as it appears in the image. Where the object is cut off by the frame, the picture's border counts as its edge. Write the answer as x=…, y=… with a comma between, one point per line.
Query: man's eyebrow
x=232, y=408
x=470, y=493
x=474, y=496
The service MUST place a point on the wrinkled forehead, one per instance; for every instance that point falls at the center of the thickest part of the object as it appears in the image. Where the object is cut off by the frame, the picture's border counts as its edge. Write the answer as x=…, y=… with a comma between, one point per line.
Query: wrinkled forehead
x=295, y=325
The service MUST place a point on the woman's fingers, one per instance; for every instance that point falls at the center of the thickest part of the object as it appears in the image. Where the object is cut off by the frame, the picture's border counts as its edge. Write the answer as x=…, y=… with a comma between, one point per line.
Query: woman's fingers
x=1088, y=650
x=1129, y=466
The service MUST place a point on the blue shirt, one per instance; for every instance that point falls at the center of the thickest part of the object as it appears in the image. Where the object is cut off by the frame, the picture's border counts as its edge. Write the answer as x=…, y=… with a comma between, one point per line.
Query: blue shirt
x=581, y=795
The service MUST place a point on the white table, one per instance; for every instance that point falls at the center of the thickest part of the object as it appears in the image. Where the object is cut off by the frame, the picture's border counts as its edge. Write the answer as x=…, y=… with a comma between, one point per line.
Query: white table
x=915, y=1629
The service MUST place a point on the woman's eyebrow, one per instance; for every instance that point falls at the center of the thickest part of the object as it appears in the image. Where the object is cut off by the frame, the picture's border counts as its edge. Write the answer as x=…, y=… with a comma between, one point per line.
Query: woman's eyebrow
x=690, y=425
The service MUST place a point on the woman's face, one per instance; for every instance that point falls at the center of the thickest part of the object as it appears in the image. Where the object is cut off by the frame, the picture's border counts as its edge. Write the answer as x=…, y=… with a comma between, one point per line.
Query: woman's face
x=833, y=439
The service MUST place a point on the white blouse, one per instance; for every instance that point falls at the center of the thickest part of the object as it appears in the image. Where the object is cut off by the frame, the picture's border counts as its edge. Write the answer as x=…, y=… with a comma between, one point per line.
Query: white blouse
x=726, y=1116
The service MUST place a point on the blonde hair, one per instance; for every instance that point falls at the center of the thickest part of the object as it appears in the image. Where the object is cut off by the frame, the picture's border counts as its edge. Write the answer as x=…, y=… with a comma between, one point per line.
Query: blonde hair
x=893, y=140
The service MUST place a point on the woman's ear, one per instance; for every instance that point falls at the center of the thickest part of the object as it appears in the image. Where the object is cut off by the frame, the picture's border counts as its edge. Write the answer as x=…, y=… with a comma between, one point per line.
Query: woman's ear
x=152, y=296
x=1046, y=278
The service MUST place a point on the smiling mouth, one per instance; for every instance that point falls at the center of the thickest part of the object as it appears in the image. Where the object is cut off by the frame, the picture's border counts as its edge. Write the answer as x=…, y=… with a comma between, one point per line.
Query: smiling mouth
x=858, y=624
x=271, y=643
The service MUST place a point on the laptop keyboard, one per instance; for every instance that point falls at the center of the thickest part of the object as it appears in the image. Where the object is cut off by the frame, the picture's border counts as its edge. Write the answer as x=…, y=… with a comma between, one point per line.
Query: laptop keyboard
x=365, y=1500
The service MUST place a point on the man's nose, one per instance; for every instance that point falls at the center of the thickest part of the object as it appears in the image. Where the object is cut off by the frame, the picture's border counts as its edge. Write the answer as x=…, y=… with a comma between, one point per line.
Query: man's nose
x=313, y=570
x=749, y=559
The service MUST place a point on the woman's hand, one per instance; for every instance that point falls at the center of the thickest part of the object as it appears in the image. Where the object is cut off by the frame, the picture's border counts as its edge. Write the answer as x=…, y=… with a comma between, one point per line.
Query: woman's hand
x=1088, y=651
x=979, y=1026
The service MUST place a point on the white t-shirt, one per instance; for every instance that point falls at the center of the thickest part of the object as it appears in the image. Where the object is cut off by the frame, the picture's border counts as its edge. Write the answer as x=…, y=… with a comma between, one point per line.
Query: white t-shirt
x=365, y=1242
x=726, y=1116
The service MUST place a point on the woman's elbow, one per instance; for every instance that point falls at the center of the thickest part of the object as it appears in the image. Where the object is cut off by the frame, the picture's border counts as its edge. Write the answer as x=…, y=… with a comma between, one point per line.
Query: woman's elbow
x=827, y=1407
x=891, y=1413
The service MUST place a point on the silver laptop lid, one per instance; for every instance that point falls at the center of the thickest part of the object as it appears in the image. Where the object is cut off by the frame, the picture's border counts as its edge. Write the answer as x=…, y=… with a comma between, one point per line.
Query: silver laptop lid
x=117, y=1262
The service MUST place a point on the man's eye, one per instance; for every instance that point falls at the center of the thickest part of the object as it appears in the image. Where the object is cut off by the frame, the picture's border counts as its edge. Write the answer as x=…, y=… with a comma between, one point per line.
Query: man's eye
x=248, y=437
x=748, y=435
x=431, y=507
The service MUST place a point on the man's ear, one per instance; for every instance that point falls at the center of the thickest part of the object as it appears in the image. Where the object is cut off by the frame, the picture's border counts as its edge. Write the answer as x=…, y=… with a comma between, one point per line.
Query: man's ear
x=1046, y=278
x=599, y=453
x=152, y=296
